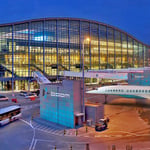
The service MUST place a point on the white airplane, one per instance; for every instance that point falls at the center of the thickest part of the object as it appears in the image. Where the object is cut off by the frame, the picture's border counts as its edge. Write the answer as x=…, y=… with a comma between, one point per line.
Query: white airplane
x=128, y=91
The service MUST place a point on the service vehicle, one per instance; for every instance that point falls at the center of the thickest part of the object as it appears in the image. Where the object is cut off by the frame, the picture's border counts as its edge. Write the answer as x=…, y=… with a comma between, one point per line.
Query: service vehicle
x=37, y=92
x=3, y=98
x=101, y=124
x=9, y=114
x=30, y=95
x=23, y=93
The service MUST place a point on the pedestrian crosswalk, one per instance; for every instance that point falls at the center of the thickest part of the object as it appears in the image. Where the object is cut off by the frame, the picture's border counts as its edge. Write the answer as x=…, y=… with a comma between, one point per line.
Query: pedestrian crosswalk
x=56, y=129
x=48, y=129
x=59, y=130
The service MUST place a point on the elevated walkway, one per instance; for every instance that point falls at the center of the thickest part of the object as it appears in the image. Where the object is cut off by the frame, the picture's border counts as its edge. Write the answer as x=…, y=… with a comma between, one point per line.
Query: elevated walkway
x=88, y=74
x=3, y=68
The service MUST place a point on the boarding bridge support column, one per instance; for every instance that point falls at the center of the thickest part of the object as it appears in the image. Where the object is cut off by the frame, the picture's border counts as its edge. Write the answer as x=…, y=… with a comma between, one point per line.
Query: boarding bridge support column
x=105, y=99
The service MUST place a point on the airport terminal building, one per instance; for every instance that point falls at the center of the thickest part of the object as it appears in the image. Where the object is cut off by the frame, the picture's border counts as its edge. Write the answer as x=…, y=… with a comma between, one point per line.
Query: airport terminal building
x=52, y=45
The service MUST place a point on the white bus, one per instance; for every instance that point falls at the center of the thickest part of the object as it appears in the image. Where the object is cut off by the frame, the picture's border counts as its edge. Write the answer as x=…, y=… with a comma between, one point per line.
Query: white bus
x=9, y=114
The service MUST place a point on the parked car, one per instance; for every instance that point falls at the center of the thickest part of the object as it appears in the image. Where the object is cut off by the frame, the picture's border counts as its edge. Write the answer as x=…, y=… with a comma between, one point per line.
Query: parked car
x=3, y=98
x=29, y=95
x=101, y=124
x=37, y=92
x=23, y=93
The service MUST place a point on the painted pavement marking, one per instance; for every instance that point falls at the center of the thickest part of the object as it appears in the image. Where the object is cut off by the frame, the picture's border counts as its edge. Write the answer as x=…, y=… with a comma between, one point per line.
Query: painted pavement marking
x=59, y=132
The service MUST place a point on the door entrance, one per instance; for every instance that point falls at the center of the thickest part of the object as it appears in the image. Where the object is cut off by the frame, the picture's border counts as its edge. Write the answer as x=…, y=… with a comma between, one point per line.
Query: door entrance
x=76, y=121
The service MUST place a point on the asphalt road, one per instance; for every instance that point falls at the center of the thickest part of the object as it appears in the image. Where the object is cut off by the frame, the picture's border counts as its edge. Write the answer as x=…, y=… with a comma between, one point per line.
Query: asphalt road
x=125, y=128
x=21, y=135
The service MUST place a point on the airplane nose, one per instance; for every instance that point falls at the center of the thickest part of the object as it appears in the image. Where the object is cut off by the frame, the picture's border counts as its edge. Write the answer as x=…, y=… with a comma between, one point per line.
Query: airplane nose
x=93, y=91
x=88, y=91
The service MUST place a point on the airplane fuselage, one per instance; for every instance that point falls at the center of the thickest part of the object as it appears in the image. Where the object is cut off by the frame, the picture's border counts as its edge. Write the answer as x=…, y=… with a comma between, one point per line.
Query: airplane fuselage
x=130, y=91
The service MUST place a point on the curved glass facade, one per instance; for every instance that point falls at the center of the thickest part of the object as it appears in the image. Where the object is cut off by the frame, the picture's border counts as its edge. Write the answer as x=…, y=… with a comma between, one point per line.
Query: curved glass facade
x=55, y=44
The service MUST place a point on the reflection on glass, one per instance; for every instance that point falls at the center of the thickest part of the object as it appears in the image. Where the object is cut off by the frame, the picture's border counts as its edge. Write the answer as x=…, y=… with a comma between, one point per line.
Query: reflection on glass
x=52, y=46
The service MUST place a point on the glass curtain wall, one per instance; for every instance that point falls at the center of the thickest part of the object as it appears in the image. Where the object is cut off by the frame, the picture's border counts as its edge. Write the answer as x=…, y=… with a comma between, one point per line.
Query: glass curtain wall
x=85, y=32
x=20, y=50
x=140, y=55
x=20, y=56
x=6, y=51
x=118, y=50
x=50, y=48
x=103, y=47
x=145, y=56
x=74, y=46
x=63, y=47
x=111, y=51
x=36, y=46
x=136, y=54
x=6, y=57
x=124, y=51
x=95, y=46
x=130, y=52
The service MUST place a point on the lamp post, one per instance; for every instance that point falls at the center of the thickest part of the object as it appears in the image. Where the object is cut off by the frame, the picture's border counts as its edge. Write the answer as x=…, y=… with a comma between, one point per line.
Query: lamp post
x=87, y=39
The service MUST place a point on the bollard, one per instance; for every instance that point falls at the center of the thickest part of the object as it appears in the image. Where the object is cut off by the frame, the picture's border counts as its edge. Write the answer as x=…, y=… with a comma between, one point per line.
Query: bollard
x=76, y=132
x=55, y=147
x=64, y=131
x=87, y=146
x=71, y=147
x=113, y=147
x=86, y=129
x=128, y=147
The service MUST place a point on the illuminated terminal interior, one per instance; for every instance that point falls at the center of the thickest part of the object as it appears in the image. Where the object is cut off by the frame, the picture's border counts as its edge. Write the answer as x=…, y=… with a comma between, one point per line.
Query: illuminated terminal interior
x=55, y=44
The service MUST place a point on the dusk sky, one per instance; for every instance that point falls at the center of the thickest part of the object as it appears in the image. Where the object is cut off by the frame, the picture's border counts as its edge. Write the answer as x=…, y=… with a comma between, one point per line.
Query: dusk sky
x=132, y=16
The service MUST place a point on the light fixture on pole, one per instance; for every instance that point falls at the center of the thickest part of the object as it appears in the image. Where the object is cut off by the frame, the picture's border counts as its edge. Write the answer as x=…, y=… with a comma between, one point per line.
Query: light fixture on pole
x=83, y=107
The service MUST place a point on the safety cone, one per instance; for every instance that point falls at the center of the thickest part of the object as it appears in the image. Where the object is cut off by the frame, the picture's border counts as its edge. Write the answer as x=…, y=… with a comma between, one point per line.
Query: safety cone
x=87, y=146
x=64, y=131
x=55, y=147
x=113, y=147
x=86, y=129
x=76, y=132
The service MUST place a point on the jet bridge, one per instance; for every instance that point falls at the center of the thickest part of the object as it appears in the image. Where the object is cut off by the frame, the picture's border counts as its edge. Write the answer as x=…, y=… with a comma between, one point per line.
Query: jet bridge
x=92, y=74
x=114, y=74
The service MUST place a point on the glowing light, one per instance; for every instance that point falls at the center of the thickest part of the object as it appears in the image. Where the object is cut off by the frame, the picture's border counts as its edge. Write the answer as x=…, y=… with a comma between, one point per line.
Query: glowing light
x=87, y=39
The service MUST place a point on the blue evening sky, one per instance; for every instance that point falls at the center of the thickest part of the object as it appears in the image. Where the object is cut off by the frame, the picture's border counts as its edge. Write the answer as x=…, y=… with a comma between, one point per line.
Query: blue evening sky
x=132, y=16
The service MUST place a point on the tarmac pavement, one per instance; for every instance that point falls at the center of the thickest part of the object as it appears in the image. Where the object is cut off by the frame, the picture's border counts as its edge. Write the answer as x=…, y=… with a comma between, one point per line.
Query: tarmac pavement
x=120, y=125
x=125, y=128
